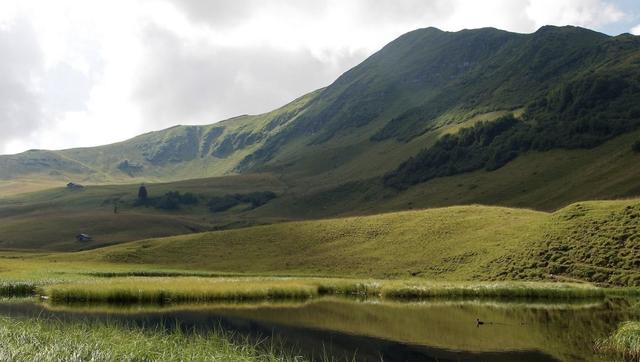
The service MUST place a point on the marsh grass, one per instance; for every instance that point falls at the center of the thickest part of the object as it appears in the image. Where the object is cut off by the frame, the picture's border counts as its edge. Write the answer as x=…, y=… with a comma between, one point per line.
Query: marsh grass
x=49, y=340
x=624, y=342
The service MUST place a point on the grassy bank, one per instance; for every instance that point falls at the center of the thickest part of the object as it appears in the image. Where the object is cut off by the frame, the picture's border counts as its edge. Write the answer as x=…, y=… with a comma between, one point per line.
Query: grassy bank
x=625, y=342
x=40, y=340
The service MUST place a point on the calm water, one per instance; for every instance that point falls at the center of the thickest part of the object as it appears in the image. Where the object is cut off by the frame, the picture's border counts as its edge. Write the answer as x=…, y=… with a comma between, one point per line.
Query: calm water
x=430, y=331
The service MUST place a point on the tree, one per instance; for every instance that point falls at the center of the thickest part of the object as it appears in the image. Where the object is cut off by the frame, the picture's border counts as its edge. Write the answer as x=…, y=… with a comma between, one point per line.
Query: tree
x=142, y=194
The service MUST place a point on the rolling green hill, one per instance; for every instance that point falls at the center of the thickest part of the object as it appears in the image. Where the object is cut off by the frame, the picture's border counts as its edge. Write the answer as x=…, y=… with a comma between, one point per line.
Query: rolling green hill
x=591, y=241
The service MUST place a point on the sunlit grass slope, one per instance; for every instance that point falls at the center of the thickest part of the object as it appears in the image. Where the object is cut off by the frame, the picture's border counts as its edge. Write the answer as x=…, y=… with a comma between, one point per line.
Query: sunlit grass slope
x=454, y=243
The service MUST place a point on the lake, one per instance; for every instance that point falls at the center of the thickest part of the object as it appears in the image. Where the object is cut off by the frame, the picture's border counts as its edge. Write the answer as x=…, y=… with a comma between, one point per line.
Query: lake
x=374, y=329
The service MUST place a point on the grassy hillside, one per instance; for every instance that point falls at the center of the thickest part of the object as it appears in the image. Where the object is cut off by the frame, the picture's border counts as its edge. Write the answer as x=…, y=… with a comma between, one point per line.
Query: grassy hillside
x=543, y=180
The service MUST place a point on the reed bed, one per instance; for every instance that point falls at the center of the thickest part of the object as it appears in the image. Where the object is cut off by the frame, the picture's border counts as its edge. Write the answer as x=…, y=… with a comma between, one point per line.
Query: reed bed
x=497, y=290
x=17, y=289
x=158, y=274
x=179, y=290
x=624, y=342
x=46, y=340
x=166, y=290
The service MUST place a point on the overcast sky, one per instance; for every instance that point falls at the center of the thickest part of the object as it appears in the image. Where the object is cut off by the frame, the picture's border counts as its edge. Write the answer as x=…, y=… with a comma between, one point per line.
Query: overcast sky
x=82, y=73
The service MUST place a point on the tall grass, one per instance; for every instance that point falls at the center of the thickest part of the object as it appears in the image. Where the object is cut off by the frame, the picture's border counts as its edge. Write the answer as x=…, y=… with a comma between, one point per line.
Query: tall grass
x=40, y=340
x=625, y=342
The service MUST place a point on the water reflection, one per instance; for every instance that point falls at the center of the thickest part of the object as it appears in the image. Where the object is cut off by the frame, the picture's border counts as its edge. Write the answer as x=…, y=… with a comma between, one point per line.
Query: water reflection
x=429, y=331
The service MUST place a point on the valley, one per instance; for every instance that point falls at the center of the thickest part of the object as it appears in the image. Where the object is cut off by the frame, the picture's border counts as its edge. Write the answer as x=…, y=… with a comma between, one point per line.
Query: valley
x=495, y=173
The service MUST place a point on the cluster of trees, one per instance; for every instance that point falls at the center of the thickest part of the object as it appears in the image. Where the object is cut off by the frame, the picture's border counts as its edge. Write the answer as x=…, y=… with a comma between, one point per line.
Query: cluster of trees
x=255, y=199
x=582, y=113
x=171, y=200
x=486, y=145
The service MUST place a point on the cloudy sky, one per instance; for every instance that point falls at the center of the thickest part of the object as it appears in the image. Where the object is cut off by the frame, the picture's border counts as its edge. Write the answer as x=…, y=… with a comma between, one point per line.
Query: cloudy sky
x=82, y=73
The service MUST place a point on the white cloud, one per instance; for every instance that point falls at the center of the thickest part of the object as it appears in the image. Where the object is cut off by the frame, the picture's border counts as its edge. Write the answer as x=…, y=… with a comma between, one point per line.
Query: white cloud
x=95, y=72
x=21, y=71
x=635, y=30
x=588, y=13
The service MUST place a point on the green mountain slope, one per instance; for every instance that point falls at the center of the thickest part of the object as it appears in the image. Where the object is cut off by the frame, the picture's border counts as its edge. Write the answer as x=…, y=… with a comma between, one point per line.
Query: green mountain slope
x=570, y=87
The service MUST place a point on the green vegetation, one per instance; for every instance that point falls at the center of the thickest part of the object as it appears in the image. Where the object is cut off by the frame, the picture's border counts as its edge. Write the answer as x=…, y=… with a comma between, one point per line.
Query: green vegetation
x=49, y=340
x=625, y=342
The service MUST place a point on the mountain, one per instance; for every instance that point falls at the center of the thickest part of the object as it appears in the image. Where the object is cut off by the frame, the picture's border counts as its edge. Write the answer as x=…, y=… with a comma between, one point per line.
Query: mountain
x=429, y=105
